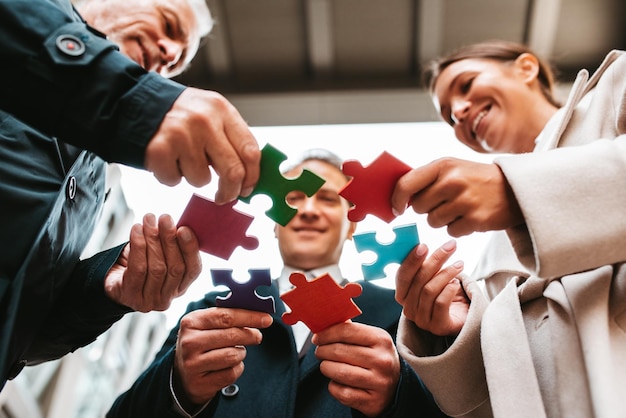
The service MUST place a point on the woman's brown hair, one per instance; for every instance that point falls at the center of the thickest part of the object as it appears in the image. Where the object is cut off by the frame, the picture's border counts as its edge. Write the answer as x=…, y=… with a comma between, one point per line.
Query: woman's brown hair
x=496, y=50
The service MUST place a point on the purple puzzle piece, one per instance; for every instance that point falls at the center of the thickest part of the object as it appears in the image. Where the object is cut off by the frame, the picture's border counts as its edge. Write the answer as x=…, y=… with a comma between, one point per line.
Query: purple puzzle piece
x=219, y=228
x=244, y=295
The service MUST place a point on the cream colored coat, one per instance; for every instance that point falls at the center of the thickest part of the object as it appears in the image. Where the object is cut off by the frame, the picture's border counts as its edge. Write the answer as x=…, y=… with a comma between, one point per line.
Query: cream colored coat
x=563, y=354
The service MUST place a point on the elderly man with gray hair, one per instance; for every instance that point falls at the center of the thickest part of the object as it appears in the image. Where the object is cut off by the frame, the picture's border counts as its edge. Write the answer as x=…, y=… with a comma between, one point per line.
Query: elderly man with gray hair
x=71, y=100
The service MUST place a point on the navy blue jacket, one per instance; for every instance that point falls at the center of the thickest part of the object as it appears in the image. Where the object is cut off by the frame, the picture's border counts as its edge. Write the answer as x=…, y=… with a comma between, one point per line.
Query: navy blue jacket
x=275, y=383
x=53, y=107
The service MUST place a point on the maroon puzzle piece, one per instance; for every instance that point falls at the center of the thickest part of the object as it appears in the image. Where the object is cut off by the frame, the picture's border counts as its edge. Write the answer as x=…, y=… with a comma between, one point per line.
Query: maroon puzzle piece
x=321, y=302
x=370, y=187
x=219, y=228
x=244, y=295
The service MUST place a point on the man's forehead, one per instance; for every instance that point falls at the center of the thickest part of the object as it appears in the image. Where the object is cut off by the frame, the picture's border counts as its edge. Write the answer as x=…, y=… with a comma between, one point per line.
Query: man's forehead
x=313, y=163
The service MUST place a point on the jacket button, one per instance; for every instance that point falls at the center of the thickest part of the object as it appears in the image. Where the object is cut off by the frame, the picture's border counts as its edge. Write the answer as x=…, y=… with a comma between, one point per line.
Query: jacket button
x=70, y=45
x=16, y=369
x=70, y=188
x=230, y=390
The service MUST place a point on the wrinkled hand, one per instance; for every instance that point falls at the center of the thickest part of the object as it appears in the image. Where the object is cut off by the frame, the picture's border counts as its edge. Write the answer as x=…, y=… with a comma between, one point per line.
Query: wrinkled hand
x=362, y=363
x=464, y=195
x=156, y=266
x=211, y=348
x=432, y=297
x=203, y=129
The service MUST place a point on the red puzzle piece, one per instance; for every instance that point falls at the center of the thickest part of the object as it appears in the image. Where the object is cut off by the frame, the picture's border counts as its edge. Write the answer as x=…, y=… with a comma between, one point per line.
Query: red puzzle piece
x=219, y=228
x=371, y=187
x=321, y=302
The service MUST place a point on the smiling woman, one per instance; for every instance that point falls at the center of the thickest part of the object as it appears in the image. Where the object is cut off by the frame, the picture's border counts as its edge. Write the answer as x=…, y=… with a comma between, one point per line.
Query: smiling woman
x=427, y=142
x=493, y=108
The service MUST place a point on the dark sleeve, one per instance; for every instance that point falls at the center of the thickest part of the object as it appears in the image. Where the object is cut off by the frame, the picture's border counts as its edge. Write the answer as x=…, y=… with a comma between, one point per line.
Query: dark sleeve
x=83, y=312
x=412, y=397
x=150, y=395
x=99, y=100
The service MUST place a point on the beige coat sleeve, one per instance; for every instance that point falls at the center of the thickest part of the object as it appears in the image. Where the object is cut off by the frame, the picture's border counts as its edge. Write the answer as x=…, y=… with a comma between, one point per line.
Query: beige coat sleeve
x=455, y=375
x=573, y=197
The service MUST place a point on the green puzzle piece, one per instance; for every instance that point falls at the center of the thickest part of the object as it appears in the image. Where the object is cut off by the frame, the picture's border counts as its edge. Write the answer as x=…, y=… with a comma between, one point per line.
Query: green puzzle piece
x=273, y=184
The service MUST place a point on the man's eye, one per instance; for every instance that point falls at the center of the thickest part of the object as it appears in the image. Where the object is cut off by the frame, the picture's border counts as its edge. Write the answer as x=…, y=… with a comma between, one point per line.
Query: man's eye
x=169, y=29
x=293, y=197
x=329, y=198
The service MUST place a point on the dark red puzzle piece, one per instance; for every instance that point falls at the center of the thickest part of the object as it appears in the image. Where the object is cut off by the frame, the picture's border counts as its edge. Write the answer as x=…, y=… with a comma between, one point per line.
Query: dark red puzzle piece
x=370, y=187
x=219, y=228
x=321, y=302
x=244, y=295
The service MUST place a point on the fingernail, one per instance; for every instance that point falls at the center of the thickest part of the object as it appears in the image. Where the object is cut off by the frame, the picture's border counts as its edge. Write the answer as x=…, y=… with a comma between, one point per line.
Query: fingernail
x=458, y=264
x=421, y=250
x=395, y=212
x=150, y=220
x=185, y=234
x=246, y=192
x=167, y=221
x=449, y=246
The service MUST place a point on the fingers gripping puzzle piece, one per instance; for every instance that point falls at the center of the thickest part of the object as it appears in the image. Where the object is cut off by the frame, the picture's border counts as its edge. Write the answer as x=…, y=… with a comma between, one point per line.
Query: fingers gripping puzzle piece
x=244, y=295
x=321, y=302
x=219, y=228
x=276, y=186
x=386, y=253
x=371, y=187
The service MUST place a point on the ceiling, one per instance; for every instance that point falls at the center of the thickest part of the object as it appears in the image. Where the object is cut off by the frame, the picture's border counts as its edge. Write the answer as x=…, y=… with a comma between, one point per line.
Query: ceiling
x=293, y=62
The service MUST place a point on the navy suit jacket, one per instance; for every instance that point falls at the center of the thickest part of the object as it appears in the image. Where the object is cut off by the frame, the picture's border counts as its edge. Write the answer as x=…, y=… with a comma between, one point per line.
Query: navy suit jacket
x=275, y=383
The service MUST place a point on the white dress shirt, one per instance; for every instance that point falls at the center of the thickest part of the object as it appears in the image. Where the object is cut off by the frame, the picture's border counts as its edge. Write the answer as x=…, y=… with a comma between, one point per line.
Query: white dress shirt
x=301, y=332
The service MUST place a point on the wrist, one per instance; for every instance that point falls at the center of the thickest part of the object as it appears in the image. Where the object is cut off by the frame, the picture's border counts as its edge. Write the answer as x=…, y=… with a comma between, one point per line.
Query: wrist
x=182, y=403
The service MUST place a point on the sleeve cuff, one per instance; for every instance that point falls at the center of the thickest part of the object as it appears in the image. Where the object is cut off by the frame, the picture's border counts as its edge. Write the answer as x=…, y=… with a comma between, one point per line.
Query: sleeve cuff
x=97, y=269
x=144, y=108
x=177, y=407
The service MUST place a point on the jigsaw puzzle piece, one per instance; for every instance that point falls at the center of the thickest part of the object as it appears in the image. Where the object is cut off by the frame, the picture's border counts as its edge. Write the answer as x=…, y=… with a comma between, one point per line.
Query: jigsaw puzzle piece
x=321, y=302
x=244, y=295
x=273, y=184
x=219, y=228
x=386, y=253
x=371, y=187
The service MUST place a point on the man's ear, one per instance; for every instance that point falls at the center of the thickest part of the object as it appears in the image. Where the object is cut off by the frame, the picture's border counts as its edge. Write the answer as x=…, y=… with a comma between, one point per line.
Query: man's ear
x=351, y=230
x=527, y=66
x=276, y=231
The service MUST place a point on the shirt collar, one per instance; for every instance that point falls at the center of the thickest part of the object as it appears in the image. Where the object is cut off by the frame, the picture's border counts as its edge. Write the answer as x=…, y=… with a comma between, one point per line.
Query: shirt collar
x=284, y=284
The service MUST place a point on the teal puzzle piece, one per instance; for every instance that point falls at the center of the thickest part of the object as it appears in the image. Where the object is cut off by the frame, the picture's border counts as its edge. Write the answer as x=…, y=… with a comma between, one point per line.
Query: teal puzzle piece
x=395, y=252
x=273, y=184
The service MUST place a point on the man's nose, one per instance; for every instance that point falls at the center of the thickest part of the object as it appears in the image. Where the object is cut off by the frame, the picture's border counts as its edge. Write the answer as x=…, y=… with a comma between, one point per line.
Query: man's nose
x=171, y=51
x=308, y=205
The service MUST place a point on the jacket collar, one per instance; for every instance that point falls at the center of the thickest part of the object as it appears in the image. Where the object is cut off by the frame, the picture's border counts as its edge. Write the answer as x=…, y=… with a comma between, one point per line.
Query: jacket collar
x=581, y=86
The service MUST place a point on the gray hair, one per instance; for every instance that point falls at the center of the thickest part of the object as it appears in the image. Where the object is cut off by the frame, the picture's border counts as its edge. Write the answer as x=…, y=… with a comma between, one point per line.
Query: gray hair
x=317, y=154
x=200, y=10
x=203, y=16
x=204, y=21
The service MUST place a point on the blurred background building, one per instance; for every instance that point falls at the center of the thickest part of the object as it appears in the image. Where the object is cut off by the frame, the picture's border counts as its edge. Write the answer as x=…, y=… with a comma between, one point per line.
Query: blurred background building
x=312, y=62
x=83, y=384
